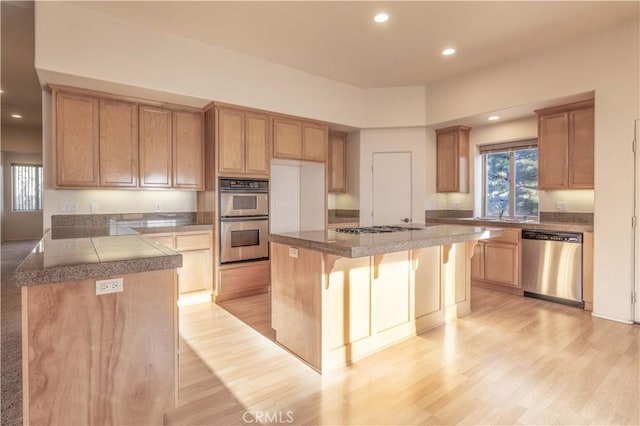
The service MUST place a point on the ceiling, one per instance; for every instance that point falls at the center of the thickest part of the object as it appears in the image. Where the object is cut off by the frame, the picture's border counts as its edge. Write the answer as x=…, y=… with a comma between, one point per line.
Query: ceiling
x=336, y=40
x=339, y=40
x=18, y=79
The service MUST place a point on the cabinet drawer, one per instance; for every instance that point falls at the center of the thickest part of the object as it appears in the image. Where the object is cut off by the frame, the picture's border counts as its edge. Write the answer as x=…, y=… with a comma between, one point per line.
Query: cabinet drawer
x=508, y=236
x=239, y=279
x=165, y=240
x=193, y=242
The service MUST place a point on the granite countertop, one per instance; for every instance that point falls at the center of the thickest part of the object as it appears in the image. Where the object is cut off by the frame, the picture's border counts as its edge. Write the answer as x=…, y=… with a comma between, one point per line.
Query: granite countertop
x=539, y=225
x=360, y=245
x=73, y=259
x=91, y=246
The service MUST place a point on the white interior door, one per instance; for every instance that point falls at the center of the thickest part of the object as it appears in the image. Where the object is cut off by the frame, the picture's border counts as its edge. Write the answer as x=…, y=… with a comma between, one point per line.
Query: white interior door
x=392, y=188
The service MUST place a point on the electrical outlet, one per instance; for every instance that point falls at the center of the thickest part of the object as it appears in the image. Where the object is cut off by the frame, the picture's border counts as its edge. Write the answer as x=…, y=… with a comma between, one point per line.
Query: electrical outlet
x=67, y=208
x=93, y=207
x=112, y=285
x=293, y=252
x=456, y=206
x=561, y=206
x=158, y=206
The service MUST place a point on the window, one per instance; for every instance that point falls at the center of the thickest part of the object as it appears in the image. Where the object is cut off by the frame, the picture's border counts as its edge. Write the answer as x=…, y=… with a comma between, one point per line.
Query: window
x=510, y=179
x=26, y=182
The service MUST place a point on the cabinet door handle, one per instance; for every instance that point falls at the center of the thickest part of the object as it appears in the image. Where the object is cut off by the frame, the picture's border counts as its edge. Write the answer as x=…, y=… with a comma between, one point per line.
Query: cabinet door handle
x=405, y=220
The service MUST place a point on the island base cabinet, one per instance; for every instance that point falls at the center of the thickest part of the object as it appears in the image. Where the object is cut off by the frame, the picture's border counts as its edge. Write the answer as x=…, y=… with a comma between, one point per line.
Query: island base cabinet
x=330, y=310
x=107, y=359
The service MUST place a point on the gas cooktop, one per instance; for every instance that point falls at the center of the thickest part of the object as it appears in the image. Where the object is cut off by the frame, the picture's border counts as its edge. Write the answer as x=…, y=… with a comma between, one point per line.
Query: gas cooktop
x=375, y=229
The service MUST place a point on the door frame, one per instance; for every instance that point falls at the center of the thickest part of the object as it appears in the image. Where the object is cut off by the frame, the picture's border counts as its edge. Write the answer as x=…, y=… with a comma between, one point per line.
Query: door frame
x=635, y=289
x=373, y=154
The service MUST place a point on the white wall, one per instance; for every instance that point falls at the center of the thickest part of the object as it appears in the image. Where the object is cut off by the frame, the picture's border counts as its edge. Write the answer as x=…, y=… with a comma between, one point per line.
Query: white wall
x=394, y=107
x=77, y=41
x=284, y=198
x=606, y=62
x=21, y=139
x=412, y=140
x=296, y=200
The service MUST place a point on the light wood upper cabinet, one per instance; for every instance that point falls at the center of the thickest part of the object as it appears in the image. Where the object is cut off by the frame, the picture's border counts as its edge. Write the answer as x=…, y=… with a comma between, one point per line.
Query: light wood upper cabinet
x=565, y=146
x=257, y=144
x=553, y=151
x=118, y=143
x=77, y=141
x=109, y=141
x=581, y=149
x=188, y=150
x=452, y=163
x=287, y=138
x=299, y=140
x=231, y=149
x=314, y=142
x=156, y=147
x=243, y=142
x=337, y=162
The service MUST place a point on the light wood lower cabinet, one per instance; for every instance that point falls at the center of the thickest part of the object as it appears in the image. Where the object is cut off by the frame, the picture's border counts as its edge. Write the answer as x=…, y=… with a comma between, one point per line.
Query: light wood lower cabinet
x=496, y=262
x=107, y=359
x=242, y=279
x=196, y=274
x=331, y=310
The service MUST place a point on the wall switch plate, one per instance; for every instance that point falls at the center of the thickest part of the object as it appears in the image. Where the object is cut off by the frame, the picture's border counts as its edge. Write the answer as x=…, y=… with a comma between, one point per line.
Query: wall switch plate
x=561, y=206
x=112, y=285
x=93, y=207
x=293, y=252
x=158, y=206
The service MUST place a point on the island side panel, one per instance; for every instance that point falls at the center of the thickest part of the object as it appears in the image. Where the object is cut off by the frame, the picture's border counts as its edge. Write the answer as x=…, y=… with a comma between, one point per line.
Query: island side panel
x=107, y=359
x=429, y=294
x=296, y=284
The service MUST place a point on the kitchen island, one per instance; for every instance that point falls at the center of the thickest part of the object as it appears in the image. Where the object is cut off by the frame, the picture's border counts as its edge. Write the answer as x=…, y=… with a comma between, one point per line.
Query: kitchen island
x=108, y=358
x=337, y=297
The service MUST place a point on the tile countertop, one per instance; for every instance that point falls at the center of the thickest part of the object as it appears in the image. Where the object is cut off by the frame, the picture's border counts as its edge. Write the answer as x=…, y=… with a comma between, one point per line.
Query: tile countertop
x=96, y=247
x=536, y=225
x=74, y=259
x=360, y=245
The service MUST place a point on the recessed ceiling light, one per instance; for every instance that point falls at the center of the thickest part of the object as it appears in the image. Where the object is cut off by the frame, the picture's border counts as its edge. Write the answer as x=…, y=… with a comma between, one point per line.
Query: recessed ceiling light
x=448, y=51
x=494, y=118
x=16, y=116
x=381, y=17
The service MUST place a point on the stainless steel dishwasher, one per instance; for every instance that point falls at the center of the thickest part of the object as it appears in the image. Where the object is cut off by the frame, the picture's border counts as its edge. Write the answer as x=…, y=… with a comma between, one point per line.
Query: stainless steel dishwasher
x=552, y=266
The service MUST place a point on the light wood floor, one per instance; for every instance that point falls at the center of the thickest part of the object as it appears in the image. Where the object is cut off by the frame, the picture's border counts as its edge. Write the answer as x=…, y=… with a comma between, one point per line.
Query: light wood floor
x=513, y=360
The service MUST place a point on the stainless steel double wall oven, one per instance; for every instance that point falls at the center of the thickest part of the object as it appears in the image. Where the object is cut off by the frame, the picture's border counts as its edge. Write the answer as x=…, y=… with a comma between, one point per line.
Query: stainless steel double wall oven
x=244, y=219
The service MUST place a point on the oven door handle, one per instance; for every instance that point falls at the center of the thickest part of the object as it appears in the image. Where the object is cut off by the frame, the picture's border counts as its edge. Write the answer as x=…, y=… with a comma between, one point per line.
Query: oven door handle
x=242, y=218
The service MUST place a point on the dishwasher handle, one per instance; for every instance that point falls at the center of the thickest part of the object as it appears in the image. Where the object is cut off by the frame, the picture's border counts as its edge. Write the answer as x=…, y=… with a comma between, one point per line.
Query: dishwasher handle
x=562, y=237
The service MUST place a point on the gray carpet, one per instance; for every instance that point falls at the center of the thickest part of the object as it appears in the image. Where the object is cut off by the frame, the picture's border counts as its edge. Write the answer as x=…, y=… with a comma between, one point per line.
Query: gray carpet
x=11, y=333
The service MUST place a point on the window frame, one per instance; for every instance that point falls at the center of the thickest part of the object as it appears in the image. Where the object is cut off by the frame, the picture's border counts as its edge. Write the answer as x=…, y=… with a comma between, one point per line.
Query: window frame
x=13, y=186
x=511, y=148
